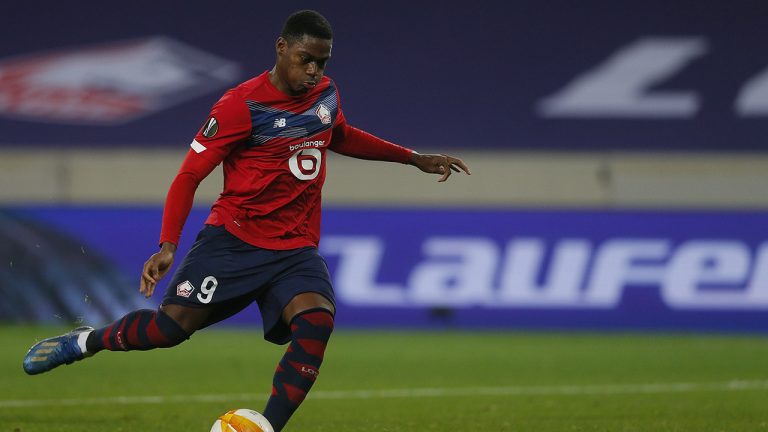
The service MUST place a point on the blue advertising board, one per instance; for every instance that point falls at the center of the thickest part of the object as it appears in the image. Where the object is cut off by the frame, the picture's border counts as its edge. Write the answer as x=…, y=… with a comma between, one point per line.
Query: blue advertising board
x=636, y=74
x=525, y=269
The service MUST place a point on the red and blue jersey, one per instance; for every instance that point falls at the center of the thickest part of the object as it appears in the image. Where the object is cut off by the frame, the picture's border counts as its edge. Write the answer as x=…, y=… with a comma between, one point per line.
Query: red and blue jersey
x=272, y=147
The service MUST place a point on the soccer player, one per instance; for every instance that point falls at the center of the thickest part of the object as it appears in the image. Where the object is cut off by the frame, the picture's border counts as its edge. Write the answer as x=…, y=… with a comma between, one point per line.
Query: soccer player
x=260, y=240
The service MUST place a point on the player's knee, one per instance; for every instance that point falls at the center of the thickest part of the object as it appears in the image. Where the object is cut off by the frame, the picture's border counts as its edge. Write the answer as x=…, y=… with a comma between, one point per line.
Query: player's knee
x=316, y=324
x=306, y=302
x=189, y=319
x=169, y=332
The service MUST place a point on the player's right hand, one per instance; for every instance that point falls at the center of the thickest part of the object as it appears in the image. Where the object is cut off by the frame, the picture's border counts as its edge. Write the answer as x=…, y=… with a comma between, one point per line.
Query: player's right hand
x=155, y=268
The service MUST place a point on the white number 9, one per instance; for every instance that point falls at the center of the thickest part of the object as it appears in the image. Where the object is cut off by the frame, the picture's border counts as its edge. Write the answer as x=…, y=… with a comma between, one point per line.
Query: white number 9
x=206, y=293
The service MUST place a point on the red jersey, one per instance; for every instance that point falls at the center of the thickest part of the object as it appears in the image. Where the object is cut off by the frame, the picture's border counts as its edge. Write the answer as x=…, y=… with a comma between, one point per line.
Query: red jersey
x=273, y=151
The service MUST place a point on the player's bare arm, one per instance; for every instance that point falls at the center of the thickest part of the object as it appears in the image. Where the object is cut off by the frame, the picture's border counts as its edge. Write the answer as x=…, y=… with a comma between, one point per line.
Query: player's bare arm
x=438, y=164
x=156, y=267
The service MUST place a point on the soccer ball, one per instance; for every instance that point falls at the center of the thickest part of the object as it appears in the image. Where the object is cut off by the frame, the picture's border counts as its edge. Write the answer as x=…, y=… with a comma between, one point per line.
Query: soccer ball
x=242, y=420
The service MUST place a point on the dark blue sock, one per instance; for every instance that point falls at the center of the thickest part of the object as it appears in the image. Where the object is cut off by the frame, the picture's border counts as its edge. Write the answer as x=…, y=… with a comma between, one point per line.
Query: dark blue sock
x=139, y=330
x=299, y=367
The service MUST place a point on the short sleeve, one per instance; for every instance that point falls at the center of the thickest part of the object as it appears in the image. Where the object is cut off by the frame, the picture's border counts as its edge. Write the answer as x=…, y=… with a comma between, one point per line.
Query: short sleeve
x=228, y=124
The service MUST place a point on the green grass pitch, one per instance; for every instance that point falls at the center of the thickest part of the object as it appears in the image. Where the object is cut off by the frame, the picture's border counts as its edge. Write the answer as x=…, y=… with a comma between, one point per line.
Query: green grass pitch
x=376, y=381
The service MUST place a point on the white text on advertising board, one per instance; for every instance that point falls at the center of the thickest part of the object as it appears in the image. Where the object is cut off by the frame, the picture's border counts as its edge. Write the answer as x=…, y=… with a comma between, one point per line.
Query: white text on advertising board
x=569, y=273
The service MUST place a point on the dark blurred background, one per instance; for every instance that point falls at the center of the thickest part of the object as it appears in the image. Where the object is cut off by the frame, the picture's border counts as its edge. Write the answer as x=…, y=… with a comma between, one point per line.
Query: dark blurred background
x=618, y=153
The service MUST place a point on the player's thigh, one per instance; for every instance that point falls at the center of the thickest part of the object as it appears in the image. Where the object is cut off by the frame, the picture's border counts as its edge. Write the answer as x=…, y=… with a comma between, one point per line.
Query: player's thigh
x=304, y=284
x=192, y=319
x=188, y=318
x=223, y=310
x=215, y=275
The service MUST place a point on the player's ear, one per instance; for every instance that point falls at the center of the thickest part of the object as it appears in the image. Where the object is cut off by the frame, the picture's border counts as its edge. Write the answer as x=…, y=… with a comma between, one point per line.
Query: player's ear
x=281, y=45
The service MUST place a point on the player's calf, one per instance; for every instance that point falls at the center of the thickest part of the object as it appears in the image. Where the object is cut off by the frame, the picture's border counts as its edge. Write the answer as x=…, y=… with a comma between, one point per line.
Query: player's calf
x=299, y=367
x=138, y=330
x=142, y=330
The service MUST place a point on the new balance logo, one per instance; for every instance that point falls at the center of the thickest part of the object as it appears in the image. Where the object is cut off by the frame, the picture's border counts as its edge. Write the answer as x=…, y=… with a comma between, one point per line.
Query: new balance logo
x=279, y=123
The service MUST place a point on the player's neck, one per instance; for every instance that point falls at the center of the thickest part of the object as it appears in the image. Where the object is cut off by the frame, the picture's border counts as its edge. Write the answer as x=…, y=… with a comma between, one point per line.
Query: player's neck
x=279, y=84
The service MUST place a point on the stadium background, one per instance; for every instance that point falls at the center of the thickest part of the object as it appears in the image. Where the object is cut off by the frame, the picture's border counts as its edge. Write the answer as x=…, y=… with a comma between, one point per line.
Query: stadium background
x=618, y=156
x=618, y=201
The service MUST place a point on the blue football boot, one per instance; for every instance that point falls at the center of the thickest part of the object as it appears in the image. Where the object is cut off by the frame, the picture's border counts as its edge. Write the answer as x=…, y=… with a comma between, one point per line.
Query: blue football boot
x=56, y=351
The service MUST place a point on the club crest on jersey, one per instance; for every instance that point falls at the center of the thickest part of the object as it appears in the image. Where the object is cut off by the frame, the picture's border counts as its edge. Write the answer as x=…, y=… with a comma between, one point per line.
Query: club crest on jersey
x=210, y=127
x=323, y=113
x=184, y=289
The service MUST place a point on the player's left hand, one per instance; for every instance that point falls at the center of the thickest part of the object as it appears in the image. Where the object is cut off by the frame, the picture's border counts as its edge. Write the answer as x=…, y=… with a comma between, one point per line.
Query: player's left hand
x=438, y=164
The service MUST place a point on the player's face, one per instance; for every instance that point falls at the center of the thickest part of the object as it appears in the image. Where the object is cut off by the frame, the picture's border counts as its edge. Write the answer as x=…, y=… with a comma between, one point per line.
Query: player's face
x=300, y=65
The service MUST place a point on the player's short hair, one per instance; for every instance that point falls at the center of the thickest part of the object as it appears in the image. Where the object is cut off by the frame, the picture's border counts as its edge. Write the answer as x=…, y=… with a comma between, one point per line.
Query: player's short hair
x=306, y=22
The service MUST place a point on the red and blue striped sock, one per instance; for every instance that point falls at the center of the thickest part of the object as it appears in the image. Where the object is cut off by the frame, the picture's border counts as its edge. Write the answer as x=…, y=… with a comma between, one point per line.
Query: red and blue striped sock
x=299, y=367
x=143, y=330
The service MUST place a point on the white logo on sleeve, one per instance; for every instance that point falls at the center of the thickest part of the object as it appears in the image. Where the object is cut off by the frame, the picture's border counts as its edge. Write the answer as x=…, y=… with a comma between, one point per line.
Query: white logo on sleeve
x=305, y=164
x=197, y=147
x=279, y=123
x=211, y=127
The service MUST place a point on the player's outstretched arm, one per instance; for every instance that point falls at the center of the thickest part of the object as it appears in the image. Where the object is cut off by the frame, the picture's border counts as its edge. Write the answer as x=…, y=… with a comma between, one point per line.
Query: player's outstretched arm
x=350, y=141
x=438, y=164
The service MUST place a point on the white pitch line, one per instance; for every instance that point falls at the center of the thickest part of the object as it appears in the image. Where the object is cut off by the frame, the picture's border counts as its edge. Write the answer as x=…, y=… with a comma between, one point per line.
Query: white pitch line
x=569, y=390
